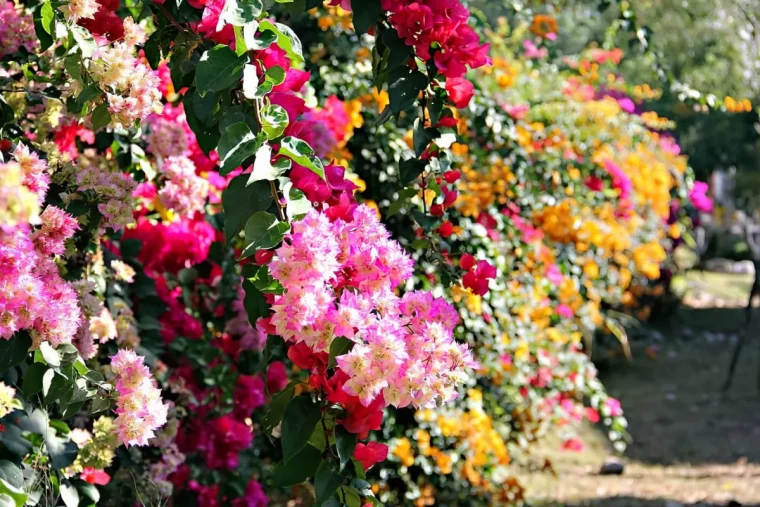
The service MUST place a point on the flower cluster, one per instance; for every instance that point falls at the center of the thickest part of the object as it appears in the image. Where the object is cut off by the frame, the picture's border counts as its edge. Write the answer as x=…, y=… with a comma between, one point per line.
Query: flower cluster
x=76, y=10
x=339, y=279
x=183, y=191
x=139, y=407
x=438, y=30
x=131, y=86
x=32, y=294
x=111, y=189
x=16, y=30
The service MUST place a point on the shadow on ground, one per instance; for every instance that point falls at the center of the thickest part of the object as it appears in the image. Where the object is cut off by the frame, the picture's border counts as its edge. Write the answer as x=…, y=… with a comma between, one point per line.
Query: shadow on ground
x=628, y=501
x=692, y=445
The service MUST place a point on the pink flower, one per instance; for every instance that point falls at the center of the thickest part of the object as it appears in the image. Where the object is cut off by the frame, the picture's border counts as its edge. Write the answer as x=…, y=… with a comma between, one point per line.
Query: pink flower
x=225, y=440
x=138, y=406
x=248, y=396
x=254, y=496
x=613, y=407
x=516, y=112
x=533, y=52
x=460, y=91
x=626, y=105
x=564, y=311
x=554, y=275
x=57, y=227
x=699, y=198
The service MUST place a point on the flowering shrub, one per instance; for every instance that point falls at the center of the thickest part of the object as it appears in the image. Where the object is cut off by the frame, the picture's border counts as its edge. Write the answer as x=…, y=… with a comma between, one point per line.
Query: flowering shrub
x=228, y=277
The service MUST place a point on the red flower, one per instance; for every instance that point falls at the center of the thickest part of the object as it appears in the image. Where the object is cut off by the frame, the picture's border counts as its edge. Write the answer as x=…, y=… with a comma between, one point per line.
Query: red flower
x=263, y=256
x=594, y=183
x=572, y=444
x=592, y=415
x=370, y=454
x=446, y=229
x=447, y=121
x=476, y=279
x=306, y=359
x=452, y=176
x=467, y=262
x=94, y=476
x=460, y=91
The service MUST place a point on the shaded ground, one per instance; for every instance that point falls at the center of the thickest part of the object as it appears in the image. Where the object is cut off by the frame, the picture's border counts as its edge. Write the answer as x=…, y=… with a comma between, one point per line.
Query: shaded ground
x=691, y=444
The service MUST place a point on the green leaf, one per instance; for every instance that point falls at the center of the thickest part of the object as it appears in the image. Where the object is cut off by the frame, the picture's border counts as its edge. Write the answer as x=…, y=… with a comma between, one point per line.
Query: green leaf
x=69, y=494
x=338, y=347
x=298, y=204
x=207, y=136
x=404, y=87
x=262, y=231
x=264, y=281
x=421, y=137
x=89, y=490
x=12, y=475
x=286, y=39
x=410, y=169
x=14, y=351
x=8, y=491
x=346, y=443
x=47, y=16
x=351, y=497
x=204, y=107
x=33, y=379
x=299, y=469
x=219, y=68
x=239, y=12
x=238, y=114
x=50, y=355
x=240, y=45
x=237, y=144
x=326, y=481
x=301, y=153
x=54, y=385
x=264, y=169
x=276, y=408
x=71, y=410
x=274, y=120
x=62, y=452
x=84, y=40
x=255, y=303
x=276, y=75
x=68, y=353
x=365, y=14
x=318, y=439
x=427, y=222
x=301, y=416
x=240, y=201
x=100, y=404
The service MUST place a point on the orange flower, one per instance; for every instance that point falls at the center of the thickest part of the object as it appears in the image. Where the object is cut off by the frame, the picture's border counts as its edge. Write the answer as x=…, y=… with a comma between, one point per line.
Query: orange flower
x=543, y=25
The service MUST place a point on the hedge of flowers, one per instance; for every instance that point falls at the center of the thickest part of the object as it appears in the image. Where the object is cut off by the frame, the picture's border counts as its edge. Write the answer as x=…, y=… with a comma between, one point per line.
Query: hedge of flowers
x=252, y=251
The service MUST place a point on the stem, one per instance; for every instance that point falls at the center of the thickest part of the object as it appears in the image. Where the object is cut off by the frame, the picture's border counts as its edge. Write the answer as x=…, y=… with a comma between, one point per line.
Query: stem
x=276, y=198
x=327, y=440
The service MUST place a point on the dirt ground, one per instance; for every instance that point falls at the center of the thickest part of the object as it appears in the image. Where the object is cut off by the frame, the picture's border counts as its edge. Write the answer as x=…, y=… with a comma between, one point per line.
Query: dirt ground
x=692, y=445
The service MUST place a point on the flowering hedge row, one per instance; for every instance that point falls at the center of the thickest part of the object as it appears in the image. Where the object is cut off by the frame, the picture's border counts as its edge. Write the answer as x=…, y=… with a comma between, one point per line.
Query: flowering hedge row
x=196, y=305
